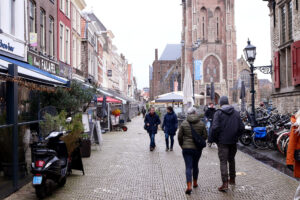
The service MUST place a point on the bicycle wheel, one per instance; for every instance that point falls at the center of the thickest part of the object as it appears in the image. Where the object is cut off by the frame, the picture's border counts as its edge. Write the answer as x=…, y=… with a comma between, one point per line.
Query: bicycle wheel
x=285, y=146
x=280, y=141
x=260, y=143
x=271, y=140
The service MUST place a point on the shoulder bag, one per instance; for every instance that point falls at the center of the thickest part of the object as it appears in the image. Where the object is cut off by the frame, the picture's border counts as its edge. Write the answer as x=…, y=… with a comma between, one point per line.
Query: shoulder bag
x=198, y=139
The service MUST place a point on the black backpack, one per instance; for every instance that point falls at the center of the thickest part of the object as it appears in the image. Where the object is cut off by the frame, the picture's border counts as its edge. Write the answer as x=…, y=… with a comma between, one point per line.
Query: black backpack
x=198, y=139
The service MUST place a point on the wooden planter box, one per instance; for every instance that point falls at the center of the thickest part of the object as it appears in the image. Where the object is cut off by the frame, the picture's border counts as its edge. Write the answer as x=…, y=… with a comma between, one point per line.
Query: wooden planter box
x=85, y=148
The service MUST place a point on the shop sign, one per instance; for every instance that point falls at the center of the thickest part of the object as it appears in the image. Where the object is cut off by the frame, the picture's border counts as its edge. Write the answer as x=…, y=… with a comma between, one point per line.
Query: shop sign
x=65, y=70
x=6, y=46
x=10, y=45
x=42, y=63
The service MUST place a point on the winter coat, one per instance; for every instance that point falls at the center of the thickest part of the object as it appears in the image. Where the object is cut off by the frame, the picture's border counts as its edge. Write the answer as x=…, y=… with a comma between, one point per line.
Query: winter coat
x=170, y=123
x=153, y=121
x=294, y=144
x=209, y=113
x=143, y=110
x=227, y=126
x=185, y=137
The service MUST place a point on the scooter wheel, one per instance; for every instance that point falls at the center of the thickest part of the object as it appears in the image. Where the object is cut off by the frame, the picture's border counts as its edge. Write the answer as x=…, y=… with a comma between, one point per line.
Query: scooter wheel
x=62, y=182
x=42, y=191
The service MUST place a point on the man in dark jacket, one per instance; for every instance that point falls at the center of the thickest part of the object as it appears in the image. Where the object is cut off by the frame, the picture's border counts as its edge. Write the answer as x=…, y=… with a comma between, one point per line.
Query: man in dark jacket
x=151, y=123
x=227, y=127
x=209, y=116
x=143, y=112
x=170, y=126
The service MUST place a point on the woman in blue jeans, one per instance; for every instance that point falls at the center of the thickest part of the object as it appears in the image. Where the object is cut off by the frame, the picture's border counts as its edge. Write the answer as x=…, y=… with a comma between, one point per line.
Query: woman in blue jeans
x=169, y=126
x=190, y=152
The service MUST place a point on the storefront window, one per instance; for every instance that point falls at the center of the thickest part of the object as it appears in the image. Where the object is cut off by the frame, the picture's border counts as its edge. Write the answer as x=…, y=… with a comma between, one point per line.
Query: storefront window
x=28, y=105
x=5, y=159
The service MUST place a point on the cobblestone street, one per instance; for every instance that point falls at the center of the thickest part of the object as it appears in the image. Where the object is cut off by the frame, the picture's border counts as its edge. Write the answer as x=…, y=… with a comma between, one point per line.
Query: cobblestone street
x=124, y=168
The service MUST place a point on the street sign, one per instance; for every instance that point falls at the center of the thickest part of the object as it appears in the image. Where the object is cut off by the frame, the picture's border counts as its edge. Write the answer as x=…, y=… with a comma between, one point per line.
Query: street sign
x=198, y=69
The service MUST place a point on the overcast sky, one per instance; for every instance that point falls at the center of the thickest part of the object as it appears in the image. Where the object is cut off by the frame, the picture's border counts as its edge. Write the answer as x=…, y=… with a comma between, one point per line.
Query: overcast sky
x=140, y=26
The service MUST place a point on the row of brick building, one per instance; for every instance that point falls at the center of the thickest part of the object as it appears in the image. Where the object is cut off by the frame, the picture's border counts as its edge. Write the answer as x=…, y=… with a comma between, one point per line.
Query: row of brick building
x=65, y=40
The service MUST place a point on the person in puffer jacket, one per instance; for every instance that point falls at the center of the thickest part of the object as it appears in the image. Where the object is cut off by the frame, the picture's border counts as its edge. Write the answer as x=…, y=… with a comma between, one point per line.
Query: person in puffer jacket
x=190, y=152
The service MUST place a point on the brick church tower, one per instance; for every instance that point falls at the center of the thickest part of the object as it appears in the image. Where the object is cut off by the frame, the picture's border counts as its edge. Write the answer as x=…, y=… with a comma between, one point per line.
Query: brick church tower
x=212, y=23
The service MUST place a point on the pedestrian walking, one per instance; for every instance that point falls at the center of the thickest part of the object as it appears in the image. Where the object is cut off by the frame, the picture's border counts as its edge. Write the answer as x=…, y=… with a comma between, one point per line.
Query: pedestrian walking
x=293, y=152
x=209, y=116
x=170, y=126
x=143, y=112
x=151, y=123
x=226, y=128
x=190, y=152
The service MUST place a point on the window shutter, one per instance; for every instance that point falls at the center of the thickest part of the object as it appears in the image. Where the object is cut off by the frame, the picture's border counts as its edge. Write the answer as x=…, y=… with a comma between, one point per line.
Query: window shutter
x=296, y=63
x=277, y=69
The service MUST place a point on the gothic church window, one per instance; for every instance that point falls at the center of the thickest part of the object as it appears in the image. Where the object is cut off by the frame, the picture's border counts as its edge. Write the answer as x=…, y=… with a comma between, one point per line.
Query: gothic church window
x=217, y=24
x=228, y=6
x=203, y=16
x=211, y=70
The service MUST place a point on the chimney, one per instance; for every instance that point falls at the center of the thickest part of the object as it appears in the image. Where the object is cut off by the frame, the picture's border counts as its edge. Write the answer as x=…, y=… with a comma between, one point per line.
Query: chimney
x=156, y=54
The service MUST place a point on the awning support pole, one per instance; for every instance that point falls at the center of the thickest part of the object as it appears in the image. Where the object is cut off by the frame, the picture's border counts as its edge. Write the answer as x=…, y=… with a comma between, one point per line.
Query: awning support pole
x=12, y=118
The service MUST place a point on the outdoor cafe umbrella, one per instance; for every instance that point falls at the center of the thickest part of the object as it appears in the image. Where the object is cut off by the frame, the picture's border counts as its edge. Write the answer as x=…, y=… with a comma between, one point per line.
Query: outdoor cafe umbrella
x=188, y=88
x=243, y=95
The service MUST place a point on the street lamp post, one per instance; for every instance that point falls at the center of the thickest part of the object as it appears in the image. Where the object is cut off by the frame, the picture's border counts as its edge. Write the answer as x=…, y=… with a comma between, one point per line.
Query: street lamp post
x=250, y=54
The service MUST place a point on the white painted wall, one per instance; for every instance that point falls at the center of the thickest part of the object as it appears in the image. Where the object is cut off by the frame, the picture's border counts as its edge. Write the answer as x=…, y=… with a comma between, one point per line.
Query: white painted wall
x=16, y=39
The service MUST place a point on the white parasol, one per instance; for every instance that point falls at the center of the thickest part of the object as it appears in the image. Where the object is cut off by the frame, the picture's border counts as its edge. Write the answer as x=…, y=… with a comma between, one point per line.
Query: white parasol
x=188, y=88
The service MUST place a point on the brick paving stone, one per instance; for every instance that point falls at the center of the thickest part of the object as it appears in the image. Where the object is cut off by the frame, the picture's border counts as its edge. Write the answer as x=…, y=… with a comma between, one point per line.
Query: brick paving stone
x=125, y=169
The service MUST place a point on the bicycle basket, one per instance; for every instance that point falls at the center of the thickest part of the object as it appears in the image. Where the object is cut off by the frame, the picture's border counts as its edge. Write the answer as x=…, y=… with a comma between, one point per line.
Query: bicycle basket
x=260, y=132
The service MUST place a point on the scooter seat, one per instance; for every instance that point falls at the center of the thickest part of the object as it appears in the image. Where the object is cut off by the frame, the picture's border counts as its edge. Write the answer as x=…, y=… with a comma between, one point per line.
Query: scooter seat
x=44, y=152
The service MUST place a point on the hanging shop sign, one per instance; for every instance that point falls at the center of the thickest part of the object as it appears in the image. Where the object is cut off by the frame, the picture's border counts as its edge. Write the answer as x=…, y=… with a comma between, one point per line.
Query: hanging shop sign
x=33, y=39
x=43, y=63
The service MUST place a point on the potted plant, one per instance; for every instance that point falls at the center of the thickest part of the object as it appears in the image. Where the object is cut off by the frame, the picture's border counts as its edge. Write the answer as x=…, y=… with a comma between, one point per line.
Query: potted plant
x=59, y=123
x=85, y=147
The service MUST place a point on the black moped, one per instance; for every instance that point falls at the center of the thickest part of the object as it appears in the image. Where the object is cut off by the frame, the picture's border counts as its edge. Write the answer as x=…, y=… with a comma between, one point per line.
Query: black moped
x=50, y=163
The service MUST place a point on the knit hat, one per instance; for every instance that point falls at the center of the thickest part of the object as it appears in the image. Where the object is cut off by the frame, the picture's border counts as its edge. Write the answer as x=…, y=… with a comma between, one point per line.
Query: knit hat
x=224, y=100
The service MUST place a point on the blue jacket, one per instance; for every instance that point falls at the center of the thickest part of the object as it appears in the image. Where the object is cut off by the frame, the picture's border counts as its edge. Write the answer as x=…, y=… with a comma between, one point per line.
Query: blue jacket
x=170, y=123
x=154, y=121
